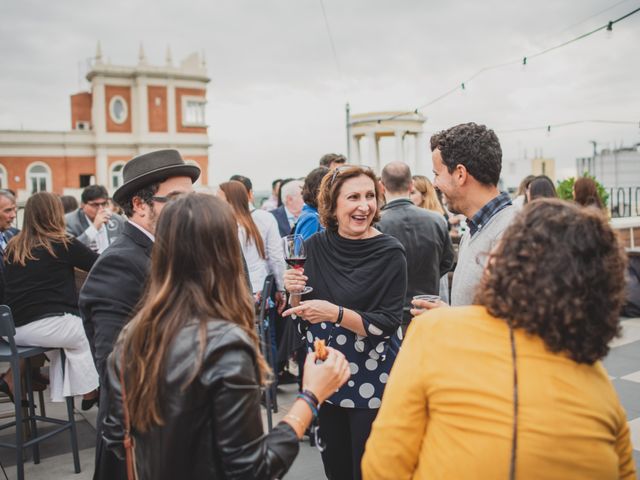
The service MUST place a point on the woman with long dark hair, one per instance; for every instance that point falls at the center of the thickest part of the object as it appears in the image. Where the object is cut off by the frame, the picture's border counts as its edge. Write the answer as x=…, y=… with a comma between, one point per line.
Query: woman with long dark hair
x=513, y=386
x=540, y=187
x=41, y=291
x=191, y=365
x=585, y=193
x=251, y=241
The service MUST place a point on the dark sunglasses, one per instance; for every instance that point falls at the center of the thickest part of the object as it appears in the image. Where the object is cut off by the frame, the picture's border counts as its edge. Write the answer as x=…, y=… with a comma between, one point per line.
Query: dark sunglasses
x=169, y=198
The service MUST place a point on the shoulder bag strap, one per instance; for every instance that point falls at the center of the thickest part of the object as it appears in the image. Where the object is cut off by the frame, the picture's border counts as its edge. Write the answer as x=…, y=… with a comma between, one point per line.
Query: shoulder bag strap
x=129, y=446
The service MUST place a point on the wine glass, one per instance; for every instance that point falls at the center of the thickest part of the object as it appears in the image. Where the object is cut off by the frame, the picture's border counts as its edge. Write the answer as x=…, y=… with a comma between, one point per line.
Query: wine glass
x=295, y=255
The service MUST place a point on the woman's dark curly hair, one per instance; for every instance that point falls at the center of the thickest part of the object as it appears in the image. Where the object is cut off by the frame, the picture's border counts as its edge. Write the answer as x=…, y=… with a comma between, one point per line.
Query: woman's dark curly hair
x=474, y=146
x=312, y=185
x=330, y=190
x=558, y=273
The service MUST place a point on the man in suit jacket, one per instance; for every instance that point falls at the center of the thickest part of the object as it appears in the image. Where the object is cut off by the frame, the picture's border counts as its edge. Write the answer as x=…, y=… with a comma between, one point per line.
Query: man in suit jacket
x=287, y=214
x=116, y=281
x=422, y=233
x=8, y=213
x=93, y=223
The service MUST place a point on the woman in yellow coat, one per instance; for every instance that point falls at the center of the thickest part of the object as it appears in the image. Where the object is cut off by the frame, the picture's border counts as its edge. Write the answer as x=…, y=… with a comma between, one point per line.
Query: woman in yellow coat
x=513, y=387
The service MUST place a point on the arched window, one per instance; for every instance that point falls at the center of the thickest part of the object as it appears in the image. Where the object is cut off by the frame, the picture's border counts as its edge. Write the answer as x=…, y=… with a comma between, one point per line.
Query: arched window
x=115, y=176
x=38, y=178
x=193, y=162
x=4, y=178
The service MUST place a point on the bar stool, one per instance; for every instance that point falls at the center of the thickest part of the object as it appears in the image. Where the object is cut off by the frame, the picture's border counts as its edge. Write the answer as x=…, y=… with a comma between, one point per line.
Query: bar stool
x=11, y=353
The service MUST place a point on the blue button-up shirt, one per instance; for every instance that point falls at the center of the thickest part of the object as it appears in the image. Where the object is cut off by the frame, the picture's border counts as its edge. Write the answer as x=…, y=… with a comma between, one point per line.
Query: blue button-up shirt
x=489, y=210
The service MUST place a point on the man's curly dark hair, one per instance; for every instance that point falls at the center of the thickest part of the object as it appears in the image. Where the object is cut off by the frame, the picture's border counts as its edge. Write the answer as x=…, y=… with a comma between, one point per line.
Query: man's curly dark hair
x=558, y=273
x=312, y=185
x=474, y=146
x=145, y=194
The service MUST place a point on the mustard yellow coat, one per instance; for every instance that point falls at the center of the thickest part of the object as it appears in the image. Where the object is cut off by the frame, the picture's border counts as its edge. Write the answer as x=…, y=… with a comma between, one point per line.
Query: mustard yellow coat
x=447, y=411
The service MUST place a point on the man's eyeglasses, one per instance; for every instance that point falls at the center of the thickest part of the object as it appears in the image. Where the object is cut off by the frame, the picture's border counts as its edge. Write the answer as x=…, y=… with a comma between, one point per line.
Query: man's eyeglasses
x=102, y=204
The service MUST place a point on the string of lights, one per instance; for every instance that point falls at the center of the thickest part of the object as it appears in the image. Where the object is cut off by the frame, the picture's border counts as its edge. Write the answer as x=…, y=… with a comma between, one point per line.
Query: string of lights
x=521, y=61
x=333, y=45
x=549, y=127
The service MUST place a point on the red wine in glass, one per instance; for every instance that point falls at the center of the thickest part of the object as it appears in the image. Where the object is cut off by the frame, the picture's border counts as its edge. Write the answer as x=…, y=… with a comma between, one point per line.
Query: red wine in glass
x=295, y=256
x=296, y=262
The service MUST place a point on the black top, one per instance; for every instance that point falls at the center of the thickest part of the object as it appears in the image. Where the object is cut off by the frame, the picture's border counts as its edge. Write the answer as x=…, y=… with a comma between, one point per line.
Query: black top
x=370, y=277
x=426, y=242
x=47, y=285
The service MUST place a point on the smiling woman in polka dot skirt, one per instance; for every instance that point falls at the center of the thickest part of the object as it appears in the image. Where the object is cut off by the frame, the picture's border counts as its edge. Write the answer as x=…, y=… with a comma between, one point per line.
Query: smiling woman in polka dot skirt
x=359, y=278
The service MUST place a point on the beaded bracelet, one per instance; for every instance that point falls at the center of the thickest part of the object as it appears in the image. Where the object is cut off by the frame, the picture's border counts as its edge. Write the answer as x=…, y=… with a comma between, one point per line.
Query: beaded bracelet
x=308, y=401
x=312, y=396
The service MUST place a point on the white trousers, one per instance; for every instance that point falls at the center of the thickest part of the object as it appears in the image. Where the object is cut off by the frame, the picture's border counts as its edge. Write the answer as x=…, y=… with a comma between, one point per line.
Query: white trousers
x=63, y=331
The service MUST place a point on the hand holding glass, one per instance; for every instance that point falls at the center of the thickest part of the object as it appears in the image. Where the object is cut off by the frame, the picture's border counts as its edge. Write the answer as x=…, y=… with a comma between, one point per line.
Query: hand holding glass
x=295, y=255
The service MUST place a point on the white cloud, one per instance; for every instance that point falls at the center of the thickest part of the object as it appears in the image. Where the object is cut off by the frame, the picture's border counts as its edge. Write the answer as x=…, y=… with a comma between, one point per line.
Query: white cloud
x=276, y=100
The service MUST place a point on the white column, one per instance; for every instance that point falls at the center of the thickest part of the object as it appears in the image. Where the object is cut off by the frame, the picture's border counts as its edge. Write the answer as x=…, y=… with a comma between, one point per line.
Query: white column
x=421, y=150
x=102, y=175
x=171, y=109
x=399, y=145
x=98, y=108
x=356, y=157
x=373, y=148
x=142, y=109
x=377, y=167
x=410, y=159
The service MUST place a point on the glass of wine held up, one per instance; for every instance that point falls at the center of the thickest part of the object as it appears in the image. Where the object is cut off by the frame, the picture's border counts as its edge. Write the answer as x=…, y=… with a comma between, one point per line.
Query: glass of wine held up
x=295, y=255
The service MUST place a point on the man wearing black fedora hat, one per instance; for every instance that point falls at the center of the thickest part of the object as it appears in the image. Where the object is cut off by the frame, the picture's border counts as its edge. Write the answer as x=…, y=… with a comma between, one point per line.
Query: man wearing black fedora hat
x=116, y=281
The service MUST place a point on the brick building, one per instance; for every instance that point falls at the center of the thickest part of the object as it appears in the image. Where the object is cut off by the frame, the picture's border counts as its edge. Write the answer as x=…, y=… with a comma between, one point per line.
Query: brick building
x=128, y=111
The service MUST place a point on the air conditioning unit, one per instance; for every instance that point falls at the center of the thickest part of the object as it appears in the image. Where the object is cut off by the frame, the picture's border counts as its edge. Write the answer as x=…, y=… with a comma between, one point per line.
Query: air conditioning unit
x=83, y=125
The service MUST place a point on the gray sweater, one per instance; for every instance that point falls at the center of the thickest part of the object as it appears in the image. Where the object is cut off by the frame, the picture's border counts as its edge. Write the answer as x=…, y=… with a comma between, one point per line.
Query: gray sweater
x=473, y=254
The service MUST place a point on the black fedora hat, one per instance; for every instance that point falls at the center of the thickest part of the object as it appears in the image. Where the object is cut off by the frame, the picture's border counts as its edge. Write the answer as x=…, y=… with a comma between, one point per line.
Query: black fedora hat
x=150, y=168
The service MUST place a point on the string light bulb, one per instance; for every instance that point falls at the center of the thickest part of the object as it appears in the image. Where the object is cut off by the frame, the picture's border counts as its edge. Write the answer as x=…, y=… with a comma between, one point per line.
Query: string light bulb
x=609, y=30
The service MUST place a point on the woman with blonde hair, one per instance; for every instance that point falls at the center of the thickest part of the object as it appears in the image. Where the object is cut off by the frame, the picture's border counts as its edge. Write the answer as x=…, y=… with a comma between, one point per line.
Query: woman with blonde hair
x=41, y=292
x=185, y=374
x=424, y=194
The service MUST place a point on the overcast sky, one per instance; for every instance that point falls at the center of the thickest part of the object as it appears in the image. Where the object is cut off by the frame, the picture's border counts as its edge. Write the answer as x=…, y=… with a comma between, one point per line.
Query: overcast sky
x=277, y=95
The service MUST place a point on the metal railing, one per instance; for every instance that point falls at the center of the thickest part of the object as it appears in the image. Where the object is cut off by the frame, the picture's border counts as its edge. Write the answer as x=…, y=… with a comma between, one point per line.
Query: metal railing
x=624, y=202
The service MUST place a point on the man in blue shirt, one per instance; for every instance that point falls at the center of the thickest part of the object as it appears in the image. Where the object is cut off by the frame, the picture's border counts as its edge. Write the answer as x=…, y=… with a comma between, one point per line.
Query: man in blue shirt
x=309, y=220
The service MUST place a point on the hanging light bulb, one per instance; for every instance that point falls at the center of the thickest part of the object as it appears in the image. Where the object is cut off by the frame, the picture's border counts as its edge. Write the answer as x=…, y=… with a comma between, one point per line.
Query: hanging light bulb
x=610, y=30
x=548, y=130
x=524, y=64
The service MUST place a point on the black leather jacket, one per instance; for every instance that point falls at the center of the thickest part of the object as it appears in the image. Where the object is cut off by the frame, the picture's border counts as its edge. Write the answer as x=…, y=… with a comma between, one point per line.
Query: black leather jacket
x=213, y=428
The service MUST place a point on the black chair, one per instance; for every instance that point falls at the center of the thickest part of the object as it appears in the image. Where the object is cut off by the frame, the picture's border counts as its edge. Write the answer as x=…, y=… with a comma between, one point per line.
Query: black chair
x=10, y=352
x=264, y=331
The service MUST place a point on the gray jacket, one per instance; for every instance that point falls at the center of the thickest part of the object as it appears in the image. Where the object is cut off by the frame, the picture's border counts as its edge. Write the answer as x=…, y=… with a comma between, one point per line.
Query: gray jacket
x=426, y=242
x=78, y=223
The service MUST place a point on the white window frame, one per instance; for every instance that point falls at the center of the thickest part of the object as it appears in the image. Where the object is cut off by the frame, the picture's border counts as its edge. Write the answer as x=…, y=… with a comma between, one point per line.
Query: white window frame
x=112, y=173
x=112, y=113
x=4, y=177
x=46, y=176
x=200, y=100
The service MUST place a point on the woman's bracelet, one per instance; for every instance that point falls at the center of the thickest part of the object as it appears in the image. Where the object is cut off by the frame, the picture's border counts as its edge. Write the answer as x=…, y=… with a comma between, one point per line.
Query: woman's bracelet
x=297, y=420
x=312, y=396
x=312, y=405
x=340, y=315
